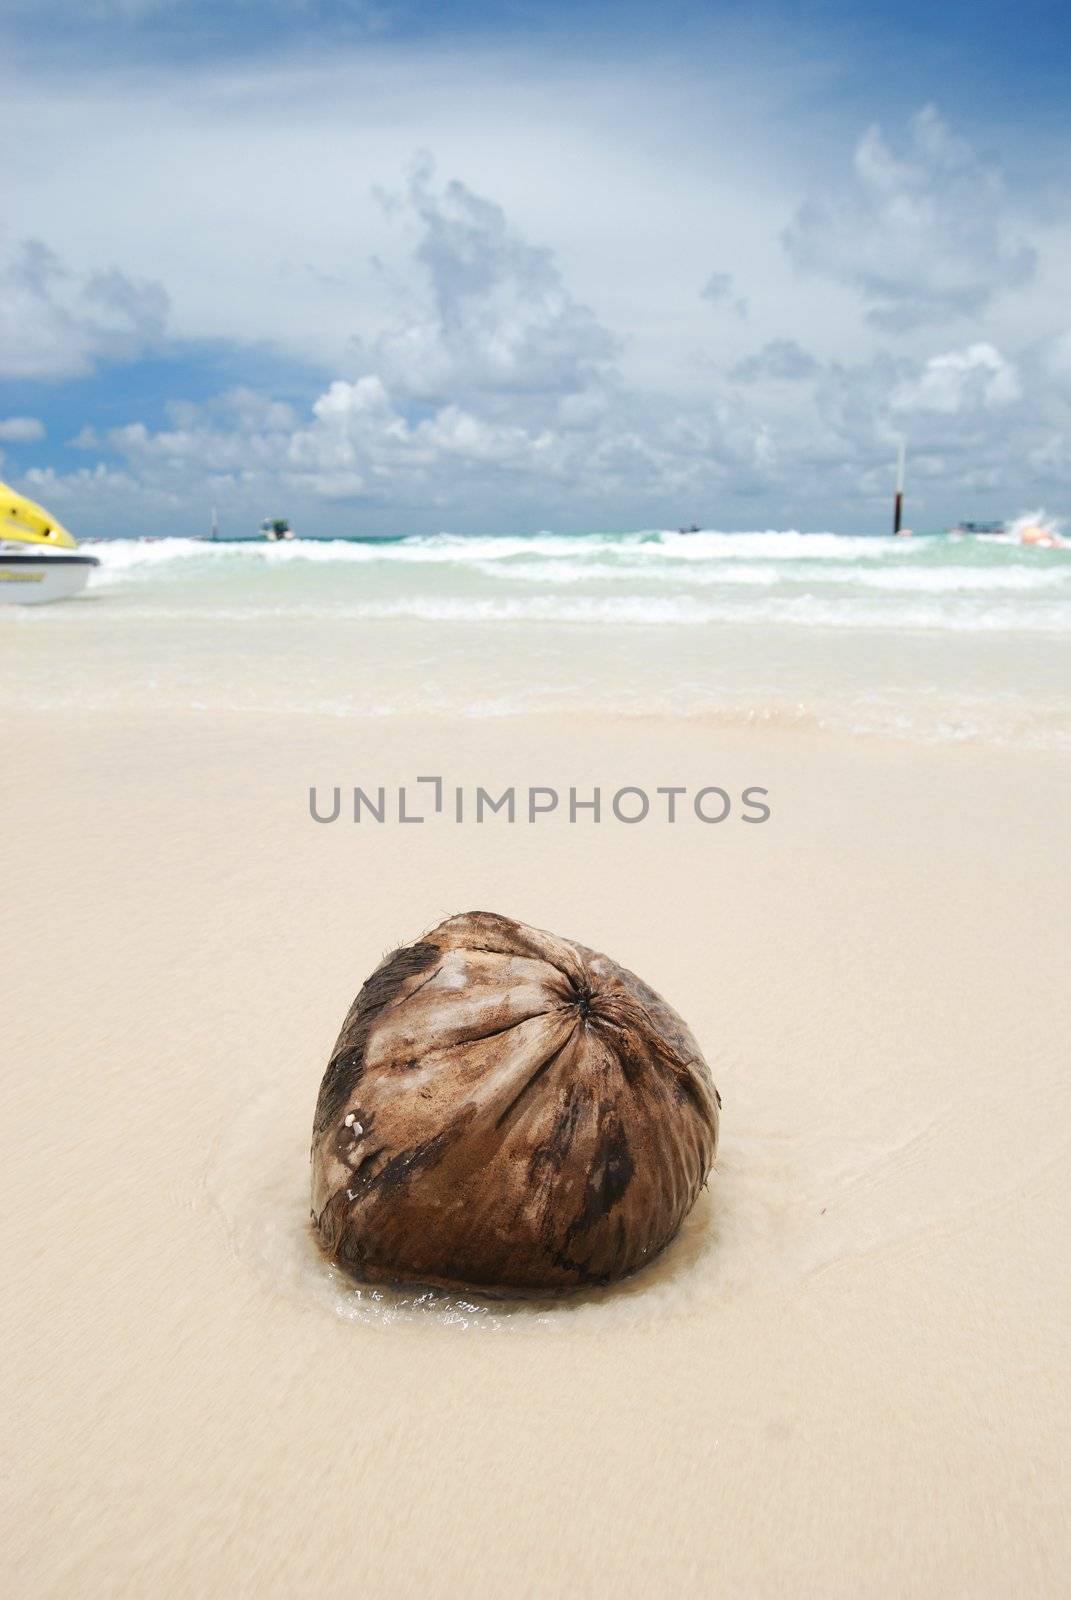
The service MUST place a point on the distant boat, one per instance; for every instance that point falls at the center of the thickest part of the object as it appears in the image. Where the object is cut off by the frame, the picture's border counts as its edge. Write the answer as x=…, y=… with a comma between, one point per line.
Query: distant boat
x=981, y=530
x=695, y=528
x=276, y=528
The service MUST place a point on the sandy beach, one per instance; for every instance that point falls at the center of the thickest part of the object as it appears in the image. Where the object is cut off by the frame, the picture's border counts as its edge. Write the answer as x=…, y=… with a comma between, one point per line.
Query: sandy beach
x=848, y=1376
x=605, y=469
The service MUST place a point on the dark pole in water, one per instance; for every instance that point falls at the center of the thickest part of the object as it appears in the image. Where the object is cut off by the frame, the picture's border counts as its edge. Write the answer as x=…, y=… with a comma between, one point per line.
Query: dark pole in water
x=898, y=504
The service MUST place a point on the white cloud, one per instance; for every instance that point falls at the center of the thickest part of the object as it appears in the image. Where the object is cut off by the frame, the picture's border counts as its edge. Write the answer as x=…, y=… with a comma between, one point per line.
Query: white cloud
x=363, y=456
x=382, y=446
x=247, y=187
x=958, y=380
x=495, y=317
x=363, y=445
x=55, y=323
x=492, y=366
x=21, y=430
x=924, y=236
x=108, y=500
x=536, y=335
x=241, y=433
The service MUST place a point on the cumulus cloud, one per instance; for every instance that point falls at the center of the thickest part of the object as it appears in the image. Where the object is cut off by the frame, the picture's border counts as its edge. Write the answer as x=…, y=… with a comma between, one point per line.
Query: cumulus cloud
x=925, y=233
x=55, y=323
x=110, y=500
x=978, y=376
x=495, y=317
x=21, y=430
x=493, y=372
x=241, y=433
x=498, y=376
x=493, y=392
x=364, y=449
x=363, y=446
x=359, y=440
x=364, y=452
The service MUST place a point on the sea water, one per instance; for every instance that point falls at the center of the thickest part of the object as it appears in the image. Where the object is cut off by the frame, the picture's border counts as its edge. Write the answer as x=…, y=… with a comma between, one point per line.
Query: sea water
x=934, y=638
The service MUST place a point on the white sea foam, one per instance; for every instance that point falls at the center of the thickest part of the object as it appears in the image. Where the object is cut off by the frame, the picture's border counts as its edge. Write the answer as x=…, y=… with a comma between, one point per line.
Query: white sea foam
x=444, y=549
x=649, y=611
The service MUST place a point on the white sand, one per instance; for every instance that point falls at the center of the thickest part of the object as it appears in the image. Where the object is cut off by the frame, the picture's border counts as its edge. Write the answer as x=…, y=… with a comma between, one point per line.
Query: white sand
x=850, y=1376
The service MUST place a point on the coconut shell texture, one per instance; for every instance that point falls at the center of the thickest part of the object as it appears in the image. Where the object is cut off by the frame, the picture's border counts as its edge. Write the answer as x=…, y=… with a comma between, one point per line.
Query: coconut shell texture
x=508, y=1111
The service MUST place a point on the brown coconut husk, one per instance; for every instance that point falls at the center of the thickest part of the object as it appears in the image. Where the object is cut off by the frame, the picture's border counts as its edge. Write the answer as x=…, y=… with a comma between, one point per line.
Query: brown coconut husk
x=510, y=1112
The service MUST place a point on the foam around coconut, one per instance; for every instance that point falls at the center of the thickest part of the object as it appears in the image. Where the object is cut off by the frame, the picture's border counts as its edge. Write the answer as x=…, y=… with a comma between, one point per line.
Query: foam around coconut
x=508, y=1111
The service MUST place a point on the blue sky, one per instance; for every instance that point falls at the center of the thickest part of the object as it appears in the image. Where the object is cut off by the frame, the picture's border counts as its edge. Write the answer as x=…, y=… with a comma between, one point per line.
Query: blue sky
x=400, y=268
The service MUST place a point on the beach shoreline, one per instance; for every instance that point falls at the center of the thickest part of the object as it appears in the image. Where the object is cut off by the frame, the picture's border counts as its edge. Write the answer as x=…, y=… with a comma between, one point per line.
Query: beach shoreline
x=930, y=640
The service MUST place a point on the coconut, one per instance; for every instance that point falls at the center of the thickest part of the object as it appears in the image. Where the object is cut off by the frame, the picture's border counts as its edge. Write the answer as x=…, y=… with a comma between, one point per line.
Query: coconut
x=508, y=1111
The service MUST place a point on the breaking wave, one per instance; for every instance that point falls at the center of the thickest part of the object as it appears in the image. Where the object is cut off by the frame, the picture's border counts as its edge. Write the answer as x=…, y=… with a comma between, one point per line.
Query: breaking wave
x=655, y=579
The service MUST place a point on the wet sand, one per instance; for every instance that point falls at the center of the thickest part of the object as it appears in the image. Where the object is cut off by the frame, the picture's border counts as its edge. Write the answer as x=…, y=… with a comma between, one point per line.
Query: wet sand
x=847, y=1377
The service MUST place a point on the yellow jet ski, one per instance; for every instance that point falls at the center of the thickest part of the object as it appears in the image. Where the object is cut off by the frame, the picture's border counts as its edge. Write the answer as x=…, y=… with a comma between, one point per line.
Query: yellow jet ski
x=37, y=555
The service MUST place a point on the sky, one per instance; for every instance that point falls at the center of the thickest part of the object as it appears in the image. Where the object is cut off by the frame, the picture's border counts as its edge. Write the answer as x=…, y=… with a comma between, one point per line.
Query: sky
x=497, y=268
